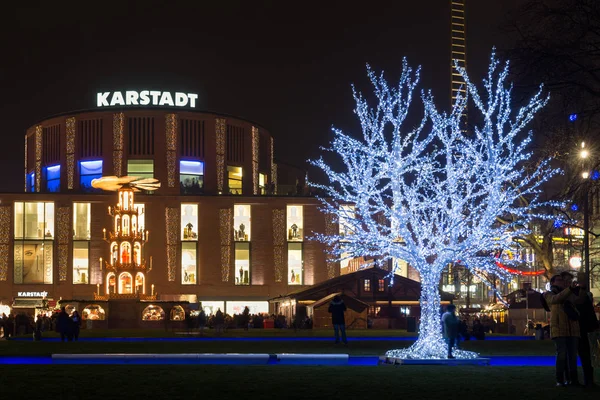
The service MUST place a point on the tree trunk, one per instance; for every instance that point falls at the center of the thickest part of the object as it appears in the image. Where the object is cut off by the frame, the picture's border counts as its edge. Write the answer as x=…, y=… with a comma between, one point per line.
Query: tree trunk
x=430, y=343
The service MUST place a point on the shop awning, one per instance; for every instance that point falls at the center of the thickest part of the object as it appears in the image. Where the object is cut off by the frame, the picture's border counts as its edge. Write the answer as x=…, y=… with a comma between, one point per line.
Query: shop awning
x=30, y=303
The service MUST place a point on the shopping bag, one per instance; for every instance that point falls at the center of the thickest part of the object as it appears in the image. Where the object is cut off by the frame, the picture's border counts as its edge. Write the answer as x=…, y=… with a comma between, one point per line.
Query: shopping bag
x=594, y=338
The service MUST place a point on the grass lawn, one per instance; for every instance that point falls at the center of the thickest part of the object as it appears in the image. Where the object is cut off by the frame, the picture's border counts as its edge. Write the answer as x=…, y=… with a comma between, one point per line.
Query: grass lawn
x=283, y=382
x=371, y=347
x=238, y=333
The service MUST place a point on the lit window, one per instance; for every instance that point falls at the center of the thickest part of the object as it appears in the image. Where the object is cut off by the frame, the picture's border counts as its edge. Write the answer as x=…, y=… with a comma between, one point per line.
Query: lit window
x=81, y=262
x=295, y=223
x=234, y=179
x=53, y=178
x=31, y=182
x=177, y=314
x=191, y=177
x=140, y=281
x=153, y=313
x=141, y=216
x=33, y=262
x=125, y=283
x=241, y=222
x=141, y=168
x=262, y=183
x=188, y=263
x=255, y=307
x=382, y=285
x=295, y=275
x=242, y=263
x=189, y=221
x=81, y=221
x=93, y=312
x=367, y=285
x=88, y=171
x=34, y=220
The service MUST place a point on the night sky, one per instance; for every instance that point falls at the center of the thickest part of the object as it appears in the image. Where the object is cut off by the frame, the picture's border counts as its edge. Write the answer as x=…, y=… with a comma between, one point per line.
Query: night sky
x=286, y=65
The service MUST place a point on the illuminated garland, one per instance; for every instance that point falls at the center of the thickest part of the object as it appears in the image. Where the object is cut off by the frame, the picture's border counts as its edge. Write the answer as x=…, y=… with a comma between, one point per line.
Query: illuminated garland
x=432, y=194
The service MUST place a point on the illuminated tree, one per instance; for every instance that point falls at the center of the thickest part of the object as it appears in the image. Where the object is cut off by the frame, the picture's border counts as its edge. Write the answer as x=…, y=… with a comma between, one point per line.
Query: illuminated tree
x=432, y=195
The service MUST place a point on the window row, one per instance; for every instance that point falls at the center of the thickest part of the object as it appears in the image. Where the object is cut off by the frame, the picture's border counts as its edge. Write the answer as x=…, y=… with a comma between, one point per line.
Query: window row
x=33, y=264
x=242, y=222
x=191, y=176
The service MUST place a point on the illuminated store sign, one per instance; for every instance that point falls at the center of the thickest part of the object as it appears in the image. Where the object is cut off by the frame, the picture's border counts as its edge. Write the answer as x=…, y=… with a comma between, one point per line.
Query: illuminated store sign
x=32, y=294
x=146, y=97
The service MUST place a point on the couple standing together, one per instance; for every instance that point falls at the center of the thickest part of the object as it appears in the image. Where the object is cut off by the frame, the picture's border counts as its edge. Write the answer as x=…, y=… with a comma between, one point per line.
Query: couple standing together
x=572, y=318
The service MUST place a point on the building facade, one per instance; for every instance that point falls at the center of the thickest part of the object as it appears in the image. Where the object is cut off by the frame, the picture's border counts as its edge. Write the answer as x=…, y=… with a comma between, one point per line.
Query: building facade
x=214, y=232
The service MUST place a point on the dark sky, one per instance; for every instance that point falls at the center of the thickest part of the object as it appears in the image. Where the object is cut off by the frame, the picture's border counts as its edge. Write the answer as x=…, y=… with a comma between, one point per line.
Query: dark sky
x=286, y=65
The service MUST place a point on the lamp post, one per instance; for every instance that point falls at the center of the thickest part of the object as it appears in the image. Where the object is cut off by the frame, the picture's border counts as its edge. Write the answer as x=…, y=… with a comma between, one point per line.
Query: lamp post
x=586, y=217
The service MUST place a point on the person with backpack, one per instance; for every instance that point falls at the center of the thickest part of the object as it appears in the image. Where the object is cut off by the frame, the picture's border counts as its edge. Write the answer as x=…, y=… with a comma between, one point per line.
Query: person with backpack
x=564, y=329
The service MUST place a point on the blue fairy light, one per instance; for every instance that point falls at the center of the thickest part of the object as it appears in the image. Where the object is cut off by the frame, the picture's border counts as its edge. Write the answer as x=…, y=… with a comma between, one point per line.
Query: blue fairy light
x=573, y=117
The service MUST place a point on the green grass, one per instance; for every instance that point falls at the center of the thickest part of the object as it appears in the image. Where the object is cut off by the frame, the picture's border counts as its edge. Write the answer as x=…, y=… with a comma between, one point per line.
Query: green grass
x=237, y=333
x=371, y=347
x=97, y=382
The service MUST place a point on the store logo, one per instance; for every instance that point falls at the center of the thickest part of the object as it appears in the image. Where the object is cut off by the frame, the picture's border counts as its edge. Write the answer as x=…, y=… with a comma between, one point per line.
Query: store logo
x=32, y=294
x=146, y=97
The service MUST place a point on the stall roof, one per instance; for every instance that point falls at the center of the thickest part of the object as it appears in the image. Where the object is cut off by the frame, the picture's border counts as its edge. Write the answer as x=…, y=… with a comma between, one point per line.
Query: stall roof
x=351, y=302
x=403, y=288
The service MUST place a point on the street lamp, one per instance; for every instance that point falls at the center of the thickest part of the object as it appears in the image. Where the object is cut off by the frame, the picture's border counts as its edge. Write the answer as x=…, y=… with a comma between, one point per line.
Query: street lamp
x=586, y=219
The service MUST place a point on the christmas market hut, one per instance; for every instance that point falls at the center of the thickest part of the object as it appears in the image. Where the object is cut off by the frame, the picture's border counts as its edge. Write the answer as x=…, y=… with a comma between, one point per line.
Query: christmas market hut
x=355, y=315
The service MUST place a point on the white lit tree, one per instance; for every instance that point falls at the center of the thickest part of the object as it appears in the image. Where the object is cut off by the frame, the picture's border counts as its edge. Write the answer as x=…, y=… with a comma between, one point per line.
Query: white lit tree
x=432, y=194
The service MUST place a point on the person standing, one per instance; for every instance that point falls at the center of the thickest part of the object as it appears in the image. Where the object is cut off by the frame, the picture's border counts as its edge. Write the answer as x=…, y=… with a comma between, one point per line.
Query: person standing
x=201, y=321
x=564, y=329
x=450, y=325
x=337, y=309
x=219, y=321
x=76, y=325
x=64, y=325
x=588, y=322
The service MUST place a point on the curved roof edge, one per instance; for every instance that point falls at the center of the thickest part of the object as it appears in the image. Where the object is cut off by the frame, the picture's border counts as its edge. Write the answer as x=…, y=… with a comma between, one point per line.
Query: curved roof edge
x=120, y=109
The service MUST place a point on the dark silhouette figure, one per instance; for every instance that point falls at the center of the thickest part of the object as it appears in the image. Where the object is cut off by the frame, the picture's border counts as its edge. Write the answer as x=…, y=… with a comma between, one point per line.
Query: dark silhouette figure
x=588, y=322
x=463, y=330
x=478, y=332
x=76, y=325
x=201, y=321
x=39, y=327
x=64, y=325
x=337, y=309
x=219, y=321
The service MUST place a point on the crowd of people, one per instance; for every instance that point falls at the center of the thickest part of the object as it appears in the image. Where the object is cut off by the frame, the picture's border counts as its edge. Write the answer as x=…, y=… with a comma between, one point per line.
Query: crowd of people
x=68, y=326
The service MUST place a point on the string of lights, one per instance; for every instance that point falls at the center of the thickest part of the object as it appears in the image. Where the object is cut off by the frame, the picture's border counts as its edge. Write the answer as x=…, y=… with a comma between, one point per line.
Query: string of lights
x=434, y=193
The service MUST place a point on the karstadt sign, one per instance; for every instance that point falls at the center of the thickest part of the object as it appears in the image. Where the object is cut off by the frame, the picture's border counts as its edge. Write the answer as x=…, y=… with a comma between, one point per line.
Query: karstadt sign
x=145, y=98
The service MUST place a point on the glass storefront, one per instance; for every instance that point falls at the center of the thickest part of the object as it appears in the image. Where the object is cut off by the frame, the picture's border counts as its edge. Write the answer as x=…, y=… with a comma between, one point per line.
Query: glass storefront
x=255, y=307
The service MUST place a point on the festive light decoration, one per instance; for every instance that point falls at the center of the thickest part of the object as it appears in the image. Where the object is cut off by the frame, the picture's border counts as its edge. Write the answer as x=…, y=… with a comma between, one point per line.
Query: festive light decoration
x=433, y=194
